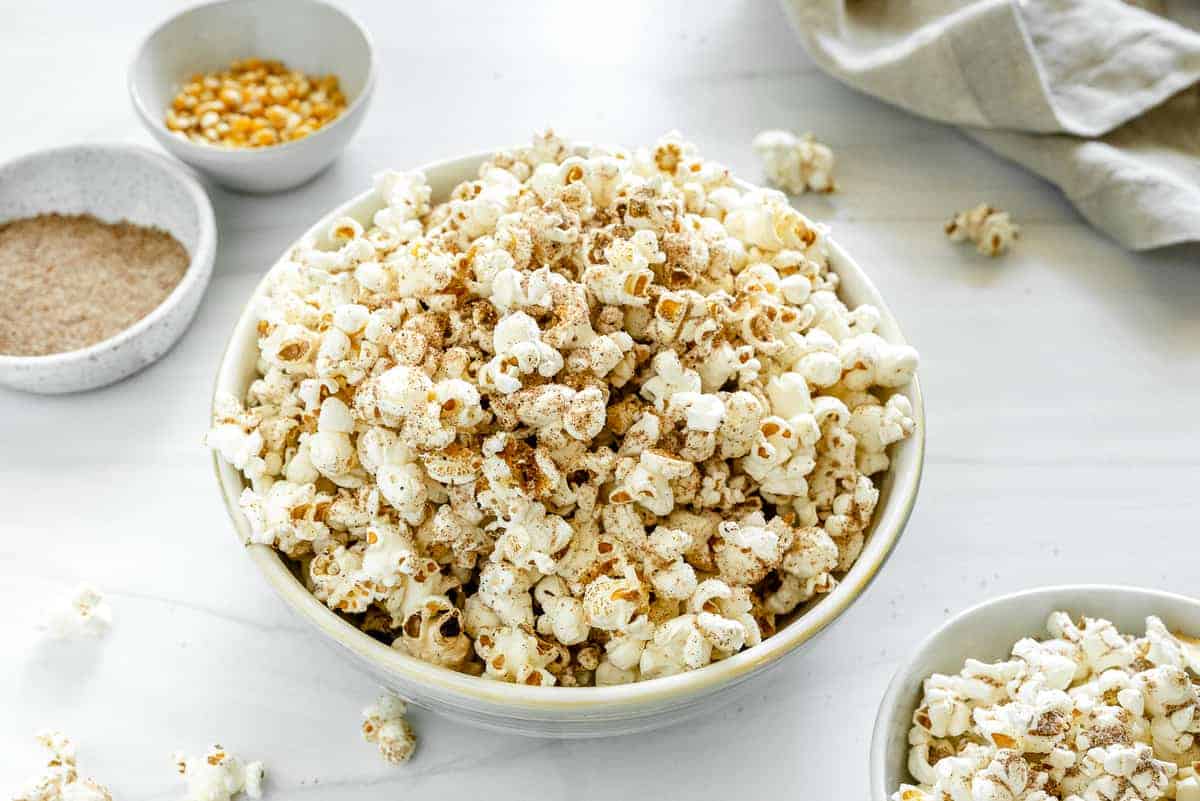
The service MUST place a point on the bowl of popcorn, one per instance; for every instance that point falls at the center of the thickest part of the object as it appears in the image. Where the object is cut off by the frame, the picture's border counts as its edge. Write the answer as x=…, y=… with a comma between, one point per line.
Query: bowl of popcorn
x=568, y=440
x=1071, y=692
x=260, y=95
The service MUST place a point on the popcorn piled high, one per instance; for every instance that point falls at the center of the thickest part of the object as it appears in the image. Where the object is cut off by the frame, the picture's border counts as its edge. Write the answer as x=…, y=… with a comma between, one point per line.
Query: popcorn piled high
x=594, y=419
x=795, y=164
x=1087, y=715
x=219, y=776
x=84, y=614
x=992, y=231
x=60, y=780
x=385, y=725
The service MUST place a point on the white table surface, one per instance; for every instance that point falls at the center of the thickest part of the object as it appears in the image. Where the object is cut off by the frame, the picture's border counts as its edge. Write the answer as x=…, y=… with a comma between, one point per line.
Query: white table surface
x=1061, y=385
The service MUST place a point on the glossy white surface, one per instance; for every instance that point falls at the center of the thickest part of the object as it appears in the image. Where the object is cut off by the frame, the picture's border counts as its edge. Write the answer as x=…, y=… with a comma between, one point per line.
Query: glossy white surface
x=1061, y=383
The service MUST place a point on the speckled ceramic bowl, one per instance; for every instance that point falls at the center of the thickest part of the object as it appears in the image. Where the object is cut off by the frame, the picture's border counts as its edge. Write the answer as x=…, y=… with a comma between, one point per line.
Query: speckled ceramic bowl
x=112, y=183
x=987, y=632
x=307, y=35
x=573, y=711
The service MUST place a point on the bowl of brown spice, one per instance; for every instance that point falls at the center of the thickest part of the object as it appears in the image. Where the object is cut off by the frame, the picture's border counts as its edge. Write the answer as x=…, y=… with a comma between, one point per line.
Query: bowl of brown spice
x=105, y=252
x=259, y=95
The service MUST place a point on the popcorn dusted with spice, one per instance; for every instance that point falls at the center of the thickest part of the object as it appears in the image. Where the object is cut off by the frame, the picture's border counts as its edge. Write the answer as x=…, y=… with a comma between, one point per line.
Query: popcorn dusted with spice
x=84, y=614
x=795, y=164
x=385, y=725
x=60, y=780
x=597, y=417
x=992, y=231
x=1089, y=714
x=219, y=776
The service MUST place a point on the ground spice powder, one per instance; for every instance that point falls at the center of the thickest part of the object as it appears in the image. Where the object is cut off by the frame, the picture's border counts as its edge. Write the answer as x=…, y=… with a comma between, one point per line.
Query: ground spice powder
x=67, y=282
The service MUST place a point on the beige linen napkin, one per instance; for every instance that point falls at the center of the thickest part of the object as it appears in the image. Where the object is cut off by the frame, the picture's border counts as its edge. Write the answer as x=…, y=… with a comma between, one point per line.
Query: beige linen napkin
x=1098, y=96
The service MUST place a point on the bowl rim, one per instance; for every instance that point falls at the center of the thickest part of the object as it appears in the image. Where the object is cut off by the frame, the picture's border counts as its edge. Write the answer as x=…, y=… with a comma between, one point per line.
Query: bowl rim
x=159, y=128
x=200, y=262
x=516, y=697
x=893, y=699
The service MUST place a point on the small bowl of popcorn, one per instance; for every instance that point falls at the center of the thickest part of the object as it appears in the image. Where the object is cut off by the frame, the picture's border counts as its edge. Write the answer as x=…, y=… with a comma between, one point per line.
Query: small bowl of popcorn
x=1069, y=692
x=568, y=440
x=260, y=95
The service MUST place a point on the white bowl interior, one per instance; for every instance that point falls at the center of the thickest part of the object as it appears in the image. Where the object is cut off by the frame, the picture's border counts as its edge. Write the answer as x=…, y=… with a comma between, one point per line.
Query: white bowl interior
x=110, y=183
x=987, y=632
x=308, y=35
x=449, y=688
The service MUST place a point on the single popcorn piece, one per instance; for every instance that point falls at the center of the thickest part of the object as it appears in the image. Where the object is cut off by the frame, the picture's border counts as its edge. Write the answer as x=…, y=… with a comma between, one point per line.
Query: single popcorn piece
x=219, y=776
x=992, y=231
x=60, y=781
x=795, y=164
x=85, y=613
x=385, y=725
x=596, y=416
x=1088, y=714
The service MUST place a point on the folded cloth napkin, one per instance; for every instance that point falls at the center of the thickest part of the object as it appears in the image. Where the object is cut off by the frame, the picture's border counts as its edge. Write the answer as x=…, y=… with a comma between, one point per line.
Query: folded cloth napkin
x=1098, y=96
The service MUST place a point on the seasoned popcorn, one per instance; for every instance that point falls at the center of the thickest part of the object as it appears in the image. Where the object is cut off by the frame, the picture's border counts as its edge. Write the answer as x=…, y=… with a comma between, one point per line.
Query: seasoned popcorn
x=596, y=418
x=992, y=231
x=84, y=614
x=219, y=776
x=385, y=725
x=795, y=164
x=1089, y=714
x=60, y=780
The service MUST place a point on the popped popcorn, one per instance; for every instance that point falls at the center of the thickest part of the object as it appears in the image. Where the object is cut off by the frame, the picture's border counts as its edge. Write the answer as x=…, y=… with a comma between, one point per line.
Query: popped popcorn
x=385, y=725
x=795, y=164
x=992, y=230
x=1089, y=714
x=219, y=775
x=60, y=780
x=598, y=417
x=84, y=614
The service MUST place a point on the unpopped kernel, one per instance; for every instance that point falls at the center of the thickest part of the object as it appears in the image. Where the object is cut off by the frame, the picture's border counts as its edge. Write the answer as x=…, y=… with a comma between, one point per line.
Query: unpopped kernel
x=600, y=416
x=1088, y=714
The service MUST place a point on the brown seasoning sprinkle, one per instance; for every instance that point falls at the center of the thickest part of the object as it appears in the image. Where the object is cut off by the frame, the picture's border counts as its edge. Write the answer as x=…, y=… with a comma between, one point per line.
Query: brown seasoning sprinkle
x=67, y=282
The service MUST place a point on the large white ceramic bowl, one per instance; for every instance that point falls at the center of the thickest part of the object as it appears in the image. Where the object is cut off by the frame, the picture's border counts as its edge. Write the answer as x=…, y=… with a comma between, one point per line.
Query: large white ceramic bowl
x=112, y=183
x=308, y=35
x=568, y=711
x=987, y=632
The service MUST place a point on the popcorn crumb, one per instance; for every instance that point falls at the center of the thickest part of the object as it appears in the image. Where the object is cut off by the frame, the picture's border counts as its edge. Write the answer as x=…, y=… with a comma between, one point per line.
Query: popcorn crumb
x=219, y=776
x=385, y=725
x=60, y=780
x=992, y=231
x=1084, y=715
x=85, y=613
x=598, y=416
x=795, y=164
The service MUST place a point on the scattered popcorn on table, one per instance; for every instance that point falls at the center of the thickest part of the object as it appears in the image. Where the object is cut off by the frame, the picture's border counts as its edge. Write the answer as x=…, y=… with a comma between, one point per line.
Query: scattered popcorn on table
x=595, y=418
x=990, y=229
x=385, y=725
x=1087, y=715
x=219, y=776
x=85, y=614
x=60, y=780
x=795, y=164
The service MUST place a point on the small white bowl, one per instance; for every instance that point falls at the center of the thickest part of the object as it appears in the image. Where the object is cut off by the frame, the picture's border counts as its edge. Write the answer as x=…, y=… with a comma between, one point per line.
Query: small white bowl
x=570, y=711
x=987, y=632
x=307, y=35
x=112, y=183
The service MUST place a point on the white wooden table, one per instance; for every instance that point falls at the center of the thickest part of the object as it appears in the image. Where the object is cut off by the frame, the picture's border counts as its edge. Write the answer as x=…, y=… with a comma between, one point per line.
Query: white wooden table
x=1061, y=385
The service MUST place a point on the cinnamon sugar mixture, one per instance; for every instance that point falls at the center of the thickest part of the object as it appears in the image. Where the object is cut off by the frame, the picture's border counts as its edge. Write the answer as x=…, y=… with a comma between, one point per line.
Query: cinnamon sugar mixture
x=67, y=282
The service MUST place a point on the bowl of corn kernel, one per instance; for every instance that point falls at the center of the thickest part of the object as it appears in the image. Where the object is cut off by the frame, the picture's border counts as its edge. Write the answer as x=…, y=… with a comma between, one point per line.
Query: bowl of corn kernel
x=241, y=91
